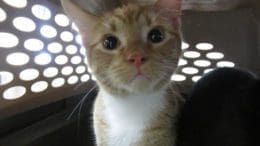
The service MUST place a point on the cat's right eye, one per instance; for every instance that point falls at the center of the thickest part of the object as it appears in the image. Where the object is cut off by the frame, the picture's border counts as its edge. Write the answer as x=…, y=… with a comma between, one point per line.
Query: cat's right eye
x=110, y=42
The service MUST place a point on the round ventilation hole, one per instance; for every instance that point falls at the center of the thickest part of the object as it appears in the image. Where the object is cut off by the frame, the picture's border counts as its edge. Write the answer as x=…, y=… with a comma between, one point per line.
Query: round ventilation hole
x=202, y=63
x=42, y=59
x=17, y=59
x=80, y=69
x=62, y=20
x=190, y=70
x=225, y=64
x=191, y=54
x=90, y=70
x=83, y=51
x=204, y=46
x=66, y=36
x=178, y=78
x=84, y=78
x=74, y=27
x=33, y=44
x=41, y=12
x=182, y=62
x=196, y=78
x=39, y=86
x=93, y=78
x=24, y=24
x=184, y=45
x=55, y=47
x=71, y=49
x=78, y=39
x=208, y=70
x=73, y=80
x=29, y=74
x=16, y=3
x=50, y=72
x=48, y=31
x=58, y=82
x=3, y=15
x=8, y=40
x=215, y=55
x=61, y=59
x=5, y=77
x=67, y=70
x=76, y=59
x=14, y=92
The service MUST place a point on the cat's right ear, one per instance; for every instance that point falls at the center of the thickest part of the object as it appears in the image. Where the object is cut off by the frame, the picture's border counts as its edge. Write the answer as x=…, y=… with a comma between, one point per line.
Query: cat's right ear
x=84, y=20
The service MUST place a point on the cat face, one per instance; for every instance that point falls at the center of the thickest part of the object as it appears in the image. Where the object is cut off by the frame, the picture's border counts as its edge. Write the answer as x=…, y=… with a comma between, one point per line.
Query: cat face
x=133, y=49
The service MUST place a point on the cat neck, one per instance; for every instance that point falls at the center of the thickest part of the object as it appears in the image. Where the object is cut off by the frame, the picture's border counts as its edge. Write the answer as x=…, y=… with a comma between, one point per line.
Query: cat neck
x=124, y=92
x=126, y=96
x=135, y=110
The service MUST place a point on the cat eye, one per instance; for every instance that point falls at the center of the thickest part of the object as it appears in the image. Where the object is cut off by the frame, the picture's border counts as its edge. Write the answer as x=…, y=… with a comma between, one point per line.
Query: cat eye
x=156, y=35
x=110, y=42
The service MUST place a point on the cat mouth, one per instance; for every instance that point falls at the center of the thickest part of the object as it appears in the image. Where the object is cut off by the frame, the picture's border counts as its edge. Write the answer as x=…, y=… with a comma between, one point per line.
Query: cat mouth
x=139, y=83
x=140, y=77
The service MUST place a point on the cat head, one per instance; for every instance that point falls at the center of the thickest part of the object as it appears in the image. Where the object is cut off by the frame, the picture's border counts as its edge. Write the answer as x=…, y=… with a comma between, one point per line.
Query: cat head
x=134, y=48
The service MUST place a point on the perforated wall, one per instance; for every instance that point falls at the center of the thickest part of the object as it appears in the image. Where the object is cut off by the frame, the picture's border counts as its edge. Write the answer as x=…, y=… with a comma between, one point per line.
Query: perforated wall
x=41, y=57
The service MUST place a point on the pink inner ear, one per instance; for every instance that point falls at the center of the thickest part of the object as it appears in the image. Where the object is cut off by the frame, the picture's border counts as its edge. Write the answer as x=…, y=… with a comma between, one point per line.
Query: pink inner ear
x=170, y=9
x=170, y=4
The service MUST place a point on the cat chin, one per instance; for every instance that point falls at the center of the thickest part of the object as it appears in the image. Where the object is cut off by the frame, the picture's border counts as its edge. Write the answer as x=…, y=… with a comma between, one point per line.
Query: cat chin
x=139, y=85
x=142, y=84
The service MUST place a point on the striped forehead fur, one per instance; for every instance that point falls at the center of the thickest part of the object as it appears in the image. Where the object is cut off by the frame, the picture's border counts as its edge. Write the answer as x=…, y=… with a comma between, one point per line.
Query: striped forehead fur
x=127, y=15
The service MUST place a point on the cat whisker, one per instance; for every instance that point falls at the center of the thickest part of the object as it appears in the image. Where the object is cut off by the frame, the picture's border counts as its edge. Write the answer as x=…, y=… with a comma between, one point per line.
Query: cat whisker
x=81, y=102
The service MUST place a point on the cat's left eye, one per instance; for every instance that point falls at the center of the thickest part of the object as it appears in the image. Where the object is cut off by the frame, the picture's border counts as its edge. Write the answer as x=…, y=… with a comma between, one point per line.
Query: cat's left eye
x=110, y=42
x=156, y=35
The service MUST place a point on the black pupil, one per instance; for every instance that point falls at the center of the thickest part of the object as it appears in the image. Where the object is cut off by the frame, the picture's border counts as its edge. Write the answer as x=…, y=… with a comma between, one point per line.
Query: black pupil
x=110, y=42
x=155, y=36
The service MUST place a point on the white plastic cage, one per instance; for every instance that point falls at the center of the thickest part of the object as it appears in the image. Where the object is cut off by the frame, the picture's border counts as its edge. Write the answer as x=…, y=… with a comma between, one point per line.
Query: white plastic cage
x=42, y=59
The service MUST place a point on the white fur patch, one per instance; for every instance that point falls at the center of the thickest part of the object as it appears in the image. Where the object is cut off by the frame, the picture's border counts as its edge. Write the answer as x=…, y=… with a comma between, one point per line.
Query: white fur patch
x=127, y=117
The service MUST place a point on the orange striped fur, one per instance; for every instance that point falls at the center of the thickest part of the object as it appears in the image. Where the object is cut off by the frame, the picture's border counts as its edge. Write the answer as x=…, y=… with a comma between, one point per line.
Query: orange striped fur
x=131, y=111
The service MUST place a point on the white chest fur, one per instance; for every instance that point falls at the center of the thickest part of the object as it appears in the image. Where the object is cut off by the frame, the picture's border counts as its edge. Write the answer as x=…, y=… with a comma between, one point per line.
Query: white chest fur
x=128, y=116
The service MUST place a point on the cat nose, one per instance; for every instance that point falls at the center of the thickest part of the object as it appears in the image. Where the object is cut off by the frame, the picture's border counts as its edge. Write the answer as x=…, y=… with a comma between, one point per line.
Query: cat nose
x=137, y=59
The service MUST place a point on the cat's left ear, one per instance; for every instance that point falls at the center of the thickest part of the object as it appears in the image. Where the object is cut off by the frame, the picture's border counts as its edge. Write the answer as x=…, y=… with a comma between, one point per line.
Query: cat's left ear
x=170, y=9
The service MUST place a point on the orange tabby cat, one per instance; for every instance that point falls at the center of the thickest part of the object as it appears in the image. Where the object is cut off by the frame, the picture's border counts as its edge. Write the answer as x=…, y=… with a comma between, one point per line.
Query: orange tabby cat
x=133, y=50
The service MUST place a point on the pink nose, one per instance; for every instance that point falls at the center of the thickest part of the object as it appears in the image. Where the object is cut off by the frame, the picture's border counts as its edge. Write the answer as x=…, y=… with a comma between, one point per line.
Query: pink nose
x=137, y=59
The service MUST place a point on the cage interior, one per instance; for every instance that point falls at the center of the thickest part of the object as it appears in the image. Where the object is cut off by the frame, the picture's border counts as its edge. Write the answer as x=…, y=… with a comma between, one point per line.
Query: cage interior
x=42, y=59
